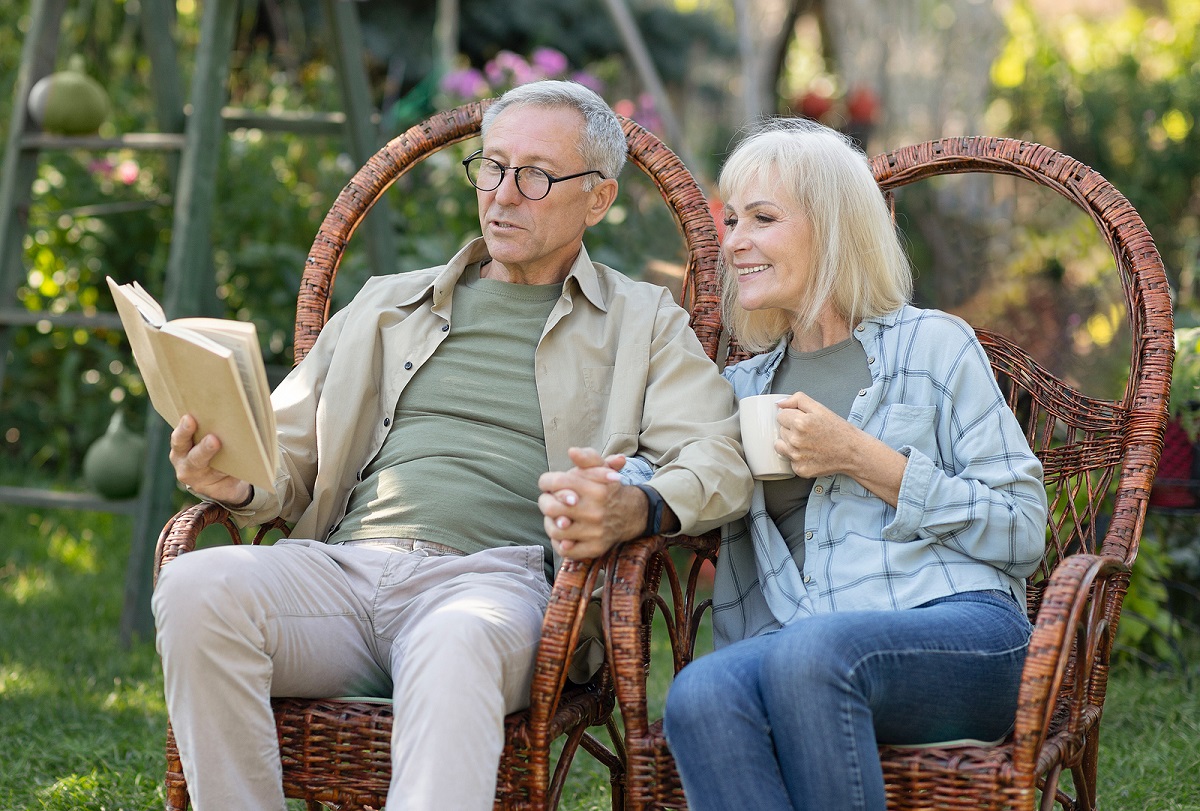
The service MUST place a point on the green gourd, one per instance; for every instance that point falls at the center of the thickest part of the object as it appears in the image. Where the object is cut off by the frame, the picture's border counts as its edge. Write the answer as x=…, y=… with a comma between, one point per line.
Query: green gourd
x=112, y=465
x=69, y=102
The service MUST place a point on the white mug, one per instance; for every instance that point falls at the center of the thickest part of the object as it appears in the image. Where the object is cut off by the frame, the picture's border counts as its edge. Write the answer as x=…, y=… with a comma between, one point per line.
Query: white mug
x=760, y=428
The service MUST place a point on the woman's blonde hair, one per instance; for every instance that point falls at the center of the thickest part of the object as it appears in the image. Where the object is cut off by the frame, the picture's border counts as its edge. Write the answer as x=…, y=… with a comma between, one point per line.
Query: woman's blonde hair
x=860, y=267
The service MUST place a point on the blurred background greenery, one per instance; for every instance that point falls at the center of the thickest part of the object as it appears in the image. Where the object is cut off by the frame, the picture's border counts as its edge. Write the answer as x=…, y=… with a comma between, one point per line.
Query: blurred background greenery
x=1114, y=83
x=1110, y=82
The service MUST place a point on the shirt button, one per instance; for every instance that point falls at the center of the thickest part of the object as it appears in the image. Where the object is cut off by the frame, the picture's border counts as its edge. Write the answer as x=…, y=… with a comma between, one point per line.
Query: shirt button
x=818, y=489
x=808, y=536
x=408, y=364
x=807, y=578
x=871, y=359
x=861, y=392
x=859, y=328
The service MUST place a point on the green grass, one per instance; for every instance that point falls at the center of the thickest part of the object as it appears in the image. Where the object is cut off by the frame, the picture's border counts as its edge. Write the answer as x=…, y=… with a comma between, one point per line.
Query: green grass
x=82, y=718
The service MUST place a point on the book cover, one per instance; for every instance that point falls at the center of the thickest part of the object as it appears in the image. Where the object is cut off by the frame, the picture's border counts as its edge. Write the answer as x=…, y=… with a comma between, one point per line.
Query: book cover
x=210, y=368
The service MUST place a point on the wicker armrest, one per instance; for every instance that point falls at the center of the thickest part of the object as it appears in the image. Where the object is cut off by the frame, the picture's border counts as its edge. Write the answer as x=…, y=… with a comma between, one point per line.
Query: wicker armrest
x=1072, y=632
x=181, y=532
x=561, y=632
x=631, y=595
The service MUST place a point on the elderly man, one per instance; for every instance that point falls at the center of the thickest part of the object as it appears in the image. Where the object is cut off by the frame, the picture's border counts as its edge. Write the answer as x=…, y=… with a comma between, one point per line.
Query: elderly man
x=449, y=428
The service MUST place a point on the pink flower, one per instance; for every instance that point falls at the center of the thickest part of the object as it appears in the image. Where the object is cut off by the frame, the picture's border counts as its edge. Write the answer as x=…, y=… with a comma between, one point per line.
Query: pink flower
x=127, y=172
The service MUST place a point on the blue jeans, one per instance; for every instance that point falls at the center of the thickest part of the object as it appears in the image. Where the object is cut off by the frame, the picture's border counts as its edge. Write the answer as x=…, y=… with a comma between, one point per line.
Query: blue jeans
x=791, y=719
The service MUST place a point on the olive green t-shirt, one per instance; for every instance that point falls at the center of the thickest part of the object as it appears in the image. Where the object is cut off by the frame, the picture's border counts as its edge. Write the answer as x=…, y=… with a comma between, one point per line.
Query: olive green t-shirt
x=461, y=462
x=832, y=376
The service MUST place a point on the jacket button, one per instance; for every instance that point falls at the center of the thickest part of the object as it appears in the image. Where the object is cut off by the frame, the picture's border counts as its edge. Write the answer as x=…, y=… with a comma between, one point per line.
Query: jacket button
x=387, y=421
x=445, y=327
x=408, y=364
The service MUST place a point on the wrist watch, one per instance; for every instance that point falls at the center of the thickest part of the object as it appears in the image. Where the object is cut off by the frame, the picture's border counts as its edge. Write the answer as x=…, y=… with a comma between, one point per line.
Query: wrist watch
x=654, y=511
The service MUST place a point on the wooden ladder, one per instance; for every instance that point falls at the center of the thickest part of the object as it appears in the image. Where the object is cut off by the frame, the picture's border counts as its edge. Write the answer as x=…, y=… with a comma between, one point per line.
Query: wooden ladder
x=193, y=139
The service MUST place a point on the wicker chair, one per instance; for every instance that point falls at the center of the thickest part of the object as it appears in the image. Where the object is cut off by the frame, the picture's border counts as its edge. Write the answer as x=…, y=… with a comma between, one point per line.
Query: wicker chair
x=1099, y=456
x=337, y=752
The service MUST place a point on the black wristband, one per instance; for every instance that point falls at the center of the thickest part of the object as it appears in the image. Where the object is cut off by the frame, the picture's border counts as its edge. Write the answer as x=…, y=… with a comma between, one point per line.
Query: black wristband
x=245, y=503
x=654, y=512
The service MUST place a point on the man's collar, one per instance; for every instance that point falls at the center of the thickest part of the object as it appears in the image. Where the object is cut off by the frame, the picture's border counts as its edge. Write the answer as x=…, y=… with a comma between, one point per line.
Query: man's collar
x=582, y=271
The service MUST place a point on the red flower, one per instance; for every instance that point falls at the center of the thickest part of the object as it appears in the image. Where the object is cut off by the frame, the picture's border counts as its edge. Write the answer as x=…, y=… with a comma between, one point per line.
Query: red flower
x=862, y=104
x=814, y=105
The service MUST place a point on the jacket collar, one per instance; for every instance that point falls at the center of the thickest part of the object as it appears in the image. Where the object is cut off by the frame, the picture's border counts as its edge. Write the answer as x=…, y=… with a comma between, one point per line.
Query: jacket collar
x=582, y=271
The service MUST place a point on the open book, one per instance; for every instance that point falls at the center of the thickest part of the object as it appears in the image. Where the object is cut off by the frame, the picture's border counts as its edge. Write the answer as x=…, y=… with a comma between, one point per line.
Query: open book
x=211, y=368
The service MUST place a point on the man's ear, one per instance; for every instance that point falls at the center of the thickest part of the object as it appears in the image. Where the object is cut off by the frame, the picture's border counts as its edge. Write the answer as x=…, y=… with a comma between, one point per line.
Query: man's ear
x=602, y=198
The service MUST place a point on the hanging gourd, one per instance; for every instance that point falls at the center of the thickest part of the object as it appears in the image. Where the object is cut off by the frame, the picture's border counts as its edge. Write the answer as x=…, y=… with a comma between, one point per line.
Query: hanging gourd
x=112, y=465
x=69, y=102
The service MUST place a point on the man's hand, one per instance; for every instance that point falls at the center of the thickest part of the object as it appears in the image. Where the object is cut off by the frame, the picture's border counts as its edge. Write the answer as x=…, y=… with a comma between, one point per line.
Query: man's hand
x=586, y=509
x=191, y=462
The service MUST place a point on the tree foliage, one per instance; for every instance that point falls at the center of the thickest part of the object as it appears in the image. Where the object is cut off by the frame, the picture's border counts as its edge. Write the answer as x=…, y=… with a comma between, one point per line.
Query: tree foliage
x=1121, y=94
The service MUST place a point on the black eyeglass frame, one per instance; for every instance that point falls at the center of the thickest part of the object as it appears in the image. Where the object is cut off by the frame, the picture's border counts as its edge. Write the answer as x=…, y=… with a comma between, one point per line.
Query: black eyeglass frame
x=479, y=156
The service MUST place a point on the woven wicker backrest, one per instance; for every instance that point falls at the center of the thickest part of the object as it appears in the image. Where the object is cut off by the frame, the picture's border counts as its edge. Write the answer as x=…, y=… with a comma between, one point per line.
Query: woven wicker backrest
x=679, y=190
x=1091, y=448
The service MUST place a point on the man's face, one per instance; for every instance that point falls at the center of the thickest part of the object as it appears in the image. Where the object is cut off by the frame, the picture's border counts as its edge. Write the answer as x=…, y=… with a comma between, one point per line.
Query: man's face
x=536, y=241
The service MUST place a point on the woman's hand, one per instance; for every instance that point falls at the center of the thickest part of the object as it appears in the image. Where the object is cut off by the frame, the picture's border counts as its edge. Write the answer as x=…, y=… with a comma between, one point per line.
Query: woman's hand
x=821, y=443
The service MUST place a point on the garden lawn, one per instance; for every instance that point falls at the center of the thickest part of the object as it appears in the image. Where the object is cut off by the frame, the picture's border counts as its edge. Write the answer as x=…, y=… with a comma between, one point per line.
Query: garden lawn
x=82, y=719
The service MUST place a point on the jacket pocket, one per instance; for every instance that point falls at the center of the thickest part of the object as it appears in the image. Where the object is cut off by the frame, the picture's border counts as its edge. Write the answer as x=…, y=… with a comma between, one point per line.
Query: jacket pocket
x=900, y=425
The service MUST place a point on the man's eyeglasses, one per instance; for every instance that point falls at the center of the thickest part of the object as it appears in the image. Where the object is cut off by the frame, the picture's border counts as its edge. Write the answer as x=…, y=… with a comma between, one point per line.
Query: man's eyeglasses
x=486, y=174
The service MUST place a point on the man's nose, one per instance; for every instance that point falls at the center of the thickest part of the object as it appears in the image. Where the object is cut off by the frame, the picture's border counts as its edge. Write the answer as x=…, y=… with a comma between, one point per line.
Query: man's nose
x=507, y=192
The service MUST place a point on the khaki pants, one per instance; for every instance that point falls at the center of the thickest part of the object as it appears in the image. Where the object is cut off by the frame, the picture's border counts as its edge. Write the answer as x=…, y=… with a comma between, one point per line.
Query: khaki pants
x=450, y=638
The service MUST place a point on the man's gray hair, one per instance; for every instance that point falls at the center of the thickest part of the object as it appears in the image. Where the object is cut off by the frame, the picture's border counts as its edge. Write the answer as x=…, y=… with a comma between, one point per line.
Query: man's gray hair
x=602, y=146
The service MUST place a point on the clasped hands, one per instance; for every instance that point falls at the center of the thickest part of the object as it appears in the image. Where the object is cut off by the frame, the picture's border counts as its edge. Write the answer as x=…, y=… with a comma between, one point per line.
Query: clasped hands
x=587, y=510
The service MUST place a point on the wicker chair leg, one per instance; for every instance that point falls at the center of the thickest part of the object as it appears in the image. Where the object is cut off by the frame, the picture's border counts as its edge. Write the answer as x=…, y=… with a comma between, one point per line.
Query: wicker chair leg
x=176, y=787
x=1084, y=774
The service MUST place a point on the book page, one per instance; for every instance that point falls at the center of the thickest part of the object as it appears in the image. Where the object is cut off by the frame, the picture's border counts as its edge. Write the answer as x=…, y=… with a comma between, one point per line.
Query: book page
x=187, y=372
x=138, y=331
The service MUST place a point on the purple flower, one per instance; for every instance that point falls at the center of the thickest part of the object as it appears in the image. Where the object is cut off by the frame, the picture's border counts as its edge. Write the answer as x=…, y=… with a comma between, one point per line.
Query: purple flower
x=466, y=83
x=588, y=80
x=549, y=61
x=647, y=113
x=508, y=68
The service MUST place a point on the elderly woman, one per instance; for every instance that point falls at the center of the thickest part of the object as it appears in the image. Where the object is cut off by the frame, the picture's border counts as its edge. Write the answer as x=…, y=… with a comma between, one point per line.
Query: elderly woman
x=878, y=596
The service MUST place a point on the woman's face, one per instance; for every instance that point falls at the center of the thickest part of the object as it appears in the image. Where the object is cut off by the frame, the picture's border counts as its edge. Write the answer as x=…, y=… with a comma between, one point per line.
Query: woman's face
x=768, y=243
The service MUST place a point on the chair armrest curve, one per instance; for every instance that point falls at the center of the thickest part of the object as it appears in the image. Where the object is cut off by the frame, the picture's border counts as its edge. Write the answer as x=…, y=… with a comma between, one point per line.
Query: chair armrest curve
x=1072, y=627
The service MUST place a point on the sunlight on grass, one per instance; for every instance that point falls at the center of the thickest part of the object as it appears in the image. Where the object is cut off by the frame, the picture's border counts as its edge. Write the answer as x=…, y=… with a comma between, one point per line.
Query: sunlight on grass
x=27, y=585
x=77, y=554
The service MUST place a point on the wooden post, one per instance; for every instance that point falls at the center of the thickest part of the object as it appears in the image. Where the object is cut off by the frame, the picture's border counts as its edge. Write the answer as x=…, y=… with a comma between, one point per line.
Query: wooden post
x=361, y=133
